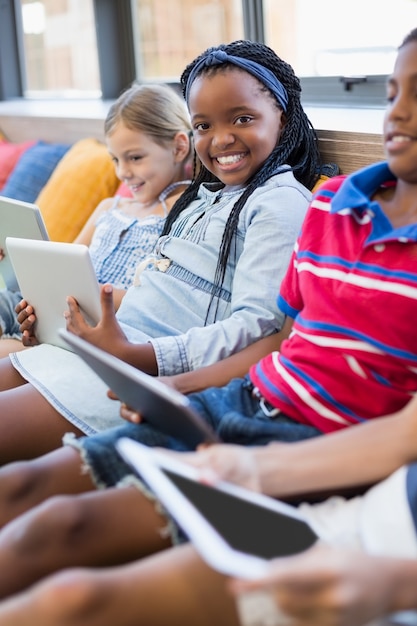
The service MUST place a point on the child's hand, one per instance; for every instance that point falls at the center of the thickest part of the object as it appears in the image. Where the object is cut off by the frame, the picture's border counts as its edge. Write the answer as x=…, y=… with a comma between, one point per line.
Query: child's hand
x=328, y=586
x=107, y=335
x=126, y=412
x=129, y=414
x=27, y=319
x=229, y=462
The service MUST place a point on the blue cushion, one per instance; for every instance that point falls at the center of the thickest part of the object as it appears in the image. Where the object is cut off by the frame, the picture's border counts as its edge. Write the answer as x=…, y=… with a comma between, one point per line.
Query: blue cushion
x=33, y=170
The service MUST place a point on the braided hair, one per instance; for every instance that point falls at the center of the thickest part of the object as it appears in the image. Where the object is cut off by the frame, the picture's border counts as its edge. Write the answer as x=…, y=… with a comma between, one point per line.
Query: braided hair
x=297, y=146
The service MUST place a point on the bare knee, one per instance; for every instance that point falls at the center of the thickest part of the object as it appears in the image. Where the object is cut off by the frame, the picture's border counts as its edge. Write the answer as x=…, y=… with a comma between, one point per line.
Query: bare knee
x=74, y=596
x=57, y=523
x=20, y=485
x=26, y=484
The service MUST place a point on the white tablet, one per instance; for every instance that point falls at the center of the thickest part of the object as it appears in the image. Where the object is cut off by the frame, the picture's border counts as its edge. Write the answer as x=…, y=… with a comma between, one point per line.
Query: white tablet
x=49, y=271
x=235, y=530
x=163, y=407
x=18, y=219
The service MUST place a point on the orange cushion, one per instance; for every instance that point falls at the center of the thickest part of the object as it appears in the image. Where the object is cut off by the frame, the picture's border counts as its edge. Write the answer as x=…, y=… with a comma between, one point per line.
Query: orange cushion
x=83, y=177
x=320, y=181
x=9, y=156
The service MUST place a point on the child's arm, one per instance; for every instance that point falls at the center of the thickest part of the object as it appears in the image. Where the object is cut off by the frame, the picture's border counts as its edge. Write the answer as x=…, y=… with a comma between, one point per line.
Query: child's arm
x=109, y=336
x=356, y=456
x=235, y=366
x=219, y=373
x=272, y=223
x=329, y=585
x=87, y=232
x=360, y=455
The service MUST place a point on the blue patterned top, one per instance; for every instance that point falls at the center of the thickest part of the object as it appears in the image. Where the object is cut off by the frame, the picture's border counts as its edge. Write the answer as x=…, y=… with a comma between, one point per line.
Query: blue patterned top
x=120, y=242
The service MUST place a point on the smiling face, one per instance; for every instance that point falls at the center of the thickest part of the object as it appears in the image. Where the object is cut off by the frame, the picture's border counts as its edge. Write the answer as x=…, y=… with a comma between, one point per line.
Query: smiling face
x=400, y=123
x=236, y=124
x=145, y=166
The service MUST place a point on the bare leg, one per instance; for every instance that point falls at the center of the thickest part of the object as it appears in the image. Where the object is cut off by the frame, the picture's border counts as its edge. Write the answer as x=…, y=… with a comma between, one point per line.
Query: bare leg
x=29, y=425
x=9, y=376
x=100, y=528
x=174, y=587
x=10, y=345
x=25, y=484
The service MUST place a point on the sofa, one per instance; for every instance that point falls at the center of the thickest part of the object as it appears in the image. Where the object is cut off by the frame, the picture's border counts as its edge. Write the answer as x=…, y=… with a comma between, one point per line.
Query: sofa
x=66, y=181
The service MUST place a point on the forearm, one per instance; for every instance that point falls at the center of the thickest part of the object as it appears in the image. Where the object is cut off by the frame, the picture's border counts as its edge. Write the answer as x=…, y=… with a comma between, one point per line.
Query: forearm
x=358, y=455
x=329, y=585
x=235, y=366
x=402, y=588
x=141, y=356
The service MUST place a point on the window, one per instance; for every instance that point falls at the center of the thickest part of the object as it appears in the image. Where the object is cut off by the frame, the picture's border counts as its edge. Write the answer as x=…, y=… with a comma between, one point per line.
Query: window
x=60, y=48
x=354, y=43
x=172, y=33
x=342, y=50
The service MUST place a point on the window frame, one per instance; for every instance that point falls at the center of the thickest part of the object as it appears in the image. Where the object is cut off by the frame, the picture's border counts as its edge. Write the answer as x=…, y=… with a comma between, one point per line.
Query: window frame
x=12, y=79
x=117, y=66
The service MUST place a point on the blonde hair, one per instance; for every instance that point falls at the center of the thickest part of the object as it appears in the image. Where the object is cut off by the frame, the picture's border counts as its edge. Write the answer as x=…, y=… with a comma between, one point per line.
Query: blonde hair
x=156, y=110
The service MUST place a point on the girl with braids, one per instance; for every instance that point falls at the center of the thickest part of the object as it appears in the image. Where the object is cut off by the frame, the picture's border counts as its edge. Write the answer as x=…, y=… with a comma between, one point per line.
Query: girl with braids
x=209, y=292
x=210, y=289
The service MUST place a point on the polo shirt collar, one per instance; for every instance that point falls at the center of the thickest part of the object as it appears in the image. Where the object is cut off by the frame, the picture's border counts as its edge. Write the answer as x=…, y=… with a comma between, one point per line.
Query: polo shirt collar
x=356, y=191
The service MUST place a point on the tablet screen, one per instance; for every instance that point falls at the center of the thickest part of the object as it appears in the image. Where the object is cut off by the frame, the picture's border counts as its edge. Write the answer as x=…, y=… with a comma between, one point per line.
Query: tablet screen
x=246, y=526
x=165, y=408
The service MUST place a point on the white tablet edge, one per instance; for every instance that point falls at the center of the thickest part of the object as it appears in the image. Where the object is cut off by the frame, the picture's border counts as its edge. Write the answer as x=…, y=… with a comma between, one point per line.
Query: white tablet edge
x=41, y=233
x=92, y=313
x=212, y=547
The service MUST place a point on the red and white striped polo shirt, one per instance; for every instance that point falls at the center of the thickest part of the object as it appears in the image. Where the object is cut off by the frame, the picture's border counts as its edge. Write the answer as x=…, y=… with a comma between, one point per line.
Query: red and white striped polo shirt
x=352, y=289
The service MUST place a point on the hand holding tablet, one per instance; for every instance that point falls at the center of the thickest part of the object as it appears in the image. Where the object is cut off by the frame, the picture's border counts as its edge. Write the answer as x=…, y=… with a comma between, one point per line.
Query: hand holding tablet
x=48, y=272
x=160, y=405
x=235, y=530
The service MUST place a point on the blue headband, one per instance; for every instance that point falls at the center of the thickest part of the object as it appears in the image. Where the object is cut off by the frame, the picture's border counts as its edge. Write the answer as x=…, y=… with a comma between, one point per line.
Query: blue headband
x=218, y=57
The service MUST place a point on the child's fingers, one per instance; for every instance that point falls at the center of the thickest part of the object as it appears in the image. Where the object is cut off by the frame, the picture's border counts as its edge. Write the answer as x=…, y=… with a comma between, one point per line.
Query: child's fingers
x=20, y=306
x=72, y=305
x=27, y=323
x=75, y=321
x=107, y=303
x=129, y=414
x=29, y=340
x=26, y=314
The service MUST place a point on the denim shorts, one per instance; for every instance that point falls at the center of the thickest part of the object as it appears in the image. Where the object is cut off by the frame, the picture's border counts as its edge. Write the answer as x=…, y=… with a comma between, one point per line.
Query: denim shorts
x=9, y=325
x=232, y=411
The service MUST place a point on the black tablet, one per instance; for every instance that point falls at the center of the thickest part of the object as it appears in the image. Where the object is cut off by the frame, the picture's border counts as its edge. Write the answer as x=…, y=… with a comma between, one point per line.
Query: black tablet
x=165, y=408
x=235, y=530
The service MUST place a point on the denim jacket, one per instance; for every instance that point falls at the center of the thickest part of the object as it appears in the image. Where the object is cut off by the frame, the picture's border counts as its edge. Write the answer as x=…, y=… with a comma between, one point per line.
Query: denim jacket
x=170, y=305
